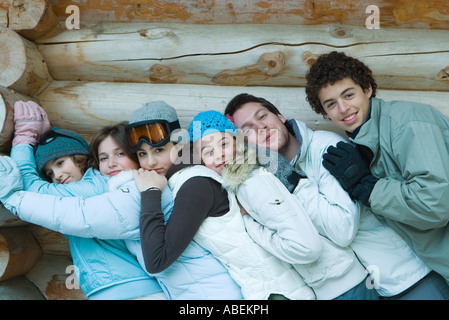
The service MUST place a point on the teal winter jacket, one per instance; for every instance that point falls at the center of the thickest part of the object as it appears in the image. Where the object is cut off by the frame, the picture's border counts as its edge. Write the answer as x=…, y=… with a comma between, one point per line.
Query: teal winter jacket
x=409, y=143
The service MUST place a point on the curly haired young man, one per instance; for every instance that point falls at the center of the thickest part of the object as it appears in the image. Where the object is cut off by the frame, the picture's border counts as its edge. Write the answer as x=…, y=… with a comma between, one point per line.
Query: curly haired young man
x=398, y=161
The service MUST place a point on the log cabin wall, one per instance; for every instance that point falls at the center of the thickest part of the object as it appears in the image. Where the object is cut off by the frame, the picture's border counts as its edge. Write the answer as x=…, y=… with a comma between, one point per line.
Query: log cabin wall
x=197, y=55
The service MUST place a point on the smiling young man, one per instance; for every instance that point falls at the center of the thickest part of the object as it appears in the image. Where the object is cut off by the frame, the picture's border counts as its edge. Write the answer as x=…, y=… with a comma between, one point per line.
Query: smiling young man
x=398, y=163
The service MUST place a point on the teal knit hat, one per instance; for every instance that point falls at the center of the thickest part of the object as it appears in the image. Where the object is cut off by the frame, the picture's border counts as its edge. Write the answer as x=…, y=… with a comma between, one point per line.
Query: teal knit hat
x=209, y=122
x=56, y=143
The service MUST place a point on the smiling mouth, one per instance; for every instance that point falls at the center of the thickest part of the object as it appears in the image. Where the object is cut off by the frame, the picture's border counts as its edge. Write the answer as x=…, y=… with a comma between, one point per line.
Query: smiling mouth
x=350, y=117
x=65, y=180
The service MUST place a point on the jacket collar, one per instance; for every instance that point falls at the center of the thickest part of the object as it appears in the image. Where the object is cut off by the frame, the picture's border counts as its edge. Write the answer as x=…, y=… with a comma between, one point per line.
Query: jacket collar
x=368, y=133
x=304, y=134
x=356, y=131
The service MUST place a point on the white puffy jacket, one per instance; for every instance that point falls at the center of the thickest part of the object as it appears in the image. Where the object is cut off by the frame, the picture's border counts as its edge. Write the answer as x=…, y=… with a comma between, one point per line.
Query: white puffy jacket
x=392, y=264
x=255, y=270
x=111, y=215
x=277, y=221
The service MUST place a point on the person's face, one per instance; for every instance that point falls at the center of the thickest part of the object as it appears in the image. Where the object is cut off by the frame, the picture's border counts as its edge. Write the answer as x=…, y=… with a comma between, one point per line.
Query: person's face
x=63, y=170
x=159, y=159
x=112, y=159
x=216, y=150
x=345, y=103
x=261, y=126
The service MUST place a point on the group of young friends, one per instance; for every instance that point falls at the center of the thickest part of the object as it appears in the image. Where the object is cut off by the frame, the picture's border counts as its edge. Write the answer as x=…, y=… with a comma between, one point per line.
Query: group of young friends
x=245, y=204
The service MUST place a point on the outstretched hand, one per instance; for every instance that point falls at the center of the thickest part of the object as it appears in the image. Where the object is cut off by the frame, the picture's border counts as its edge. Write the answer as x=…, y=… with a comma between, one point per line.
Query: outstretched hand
x=146, y=179
x=30, y=122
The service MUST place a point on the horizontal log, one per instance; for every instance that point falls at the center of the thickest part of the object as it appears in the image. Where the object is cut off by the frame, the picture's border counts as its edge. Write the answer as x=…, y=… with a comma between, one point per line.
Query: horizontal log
x=22, y=65
x=87, y=106
x=50, y=241
x=54, y=276
x=7, y=219
x=30, y=18
x=19, y=252
x=20, y=288
x=242, y=55
x=401, y=13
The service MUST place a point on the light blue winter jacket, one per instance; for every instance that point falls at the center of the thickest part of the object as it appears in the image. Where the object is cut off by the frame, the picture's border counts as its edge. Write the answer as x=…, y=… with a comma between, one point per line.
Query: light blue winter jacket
x=105, y=268
x=115, y=215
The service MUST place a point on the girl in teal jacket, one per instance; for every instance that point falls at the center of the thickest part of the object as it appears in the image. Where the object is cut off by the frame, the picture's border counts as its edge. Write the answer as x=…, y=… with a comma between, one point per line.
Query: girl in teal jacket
x=105, y=268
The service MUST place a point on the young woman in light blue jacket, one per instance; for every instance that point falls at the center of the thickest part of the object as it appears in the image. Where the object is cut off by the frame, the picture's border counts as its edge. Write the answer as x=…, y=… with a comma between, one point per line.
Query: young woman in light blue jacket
x=105, y=268
x=115, y=215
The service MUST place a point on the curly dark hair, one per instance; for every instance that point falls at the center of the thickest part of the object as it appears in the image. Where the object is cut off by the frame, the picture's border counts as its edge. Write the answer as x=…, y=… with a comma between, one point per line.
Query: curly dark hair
x=332, y=67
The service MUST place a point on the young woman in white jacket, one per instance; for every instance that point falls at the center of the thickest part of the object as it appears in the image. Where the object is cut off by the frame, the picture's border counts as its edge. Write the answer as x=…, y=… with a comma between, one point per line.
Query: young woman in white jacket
x=273, y=217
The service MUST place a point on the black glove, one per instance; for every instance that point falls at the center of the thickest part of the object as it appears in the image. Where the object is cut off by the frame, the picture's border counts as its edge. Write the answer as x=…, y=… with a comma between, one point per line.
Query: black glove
x=363, y=190
x=346, y=164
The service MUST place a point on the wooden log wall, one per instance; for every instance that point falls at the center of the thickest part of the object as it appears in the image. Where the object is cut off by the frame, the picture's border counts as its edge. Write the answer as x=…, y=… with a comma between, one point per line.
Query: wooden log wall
x=242, y=55
x=19, y=252
x=430, y=14
x=197, y=55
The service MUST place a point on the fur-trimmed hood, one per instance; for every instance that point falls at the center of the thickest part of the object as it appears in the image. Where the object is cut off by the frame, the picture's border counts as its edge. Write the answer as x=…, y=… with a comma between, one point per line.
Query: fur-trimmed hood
x=249, y=158
x=239, y=169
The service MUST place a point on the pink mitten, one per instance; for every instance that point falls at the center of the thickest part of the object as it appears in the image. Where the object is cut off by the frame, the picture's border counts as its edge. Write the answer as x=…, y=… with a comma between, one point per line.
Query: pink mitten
x=30, y=122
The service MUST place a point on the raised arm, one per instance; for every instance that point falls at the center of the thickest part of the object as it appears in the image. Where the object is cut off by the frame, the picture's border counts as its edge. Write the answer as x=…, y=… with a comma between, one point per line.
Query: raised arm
x=92, y=184
x=113, y=215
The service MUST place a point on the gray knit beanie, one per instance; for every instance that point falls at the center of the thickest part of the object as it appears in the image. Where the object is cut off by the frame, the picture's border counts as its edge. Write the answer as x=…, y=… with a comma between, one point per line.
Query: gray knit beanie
x=160, y=111
x=67, y=144
x=153, y=111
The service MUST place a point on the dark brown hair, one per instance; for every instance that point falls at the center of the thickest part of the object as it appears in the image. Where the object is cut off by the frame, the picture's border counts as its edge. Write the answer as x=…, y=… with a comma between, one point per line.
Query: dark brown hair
x=332, y=67
x=117, y=132
x=243, y=98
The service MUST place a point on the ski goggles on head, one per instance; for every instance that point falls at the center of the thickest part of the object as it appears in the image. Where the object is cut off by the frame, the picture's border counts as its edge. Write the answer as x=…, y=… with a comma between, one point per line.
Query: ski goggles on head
x=156, y=133
x=50, y=136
